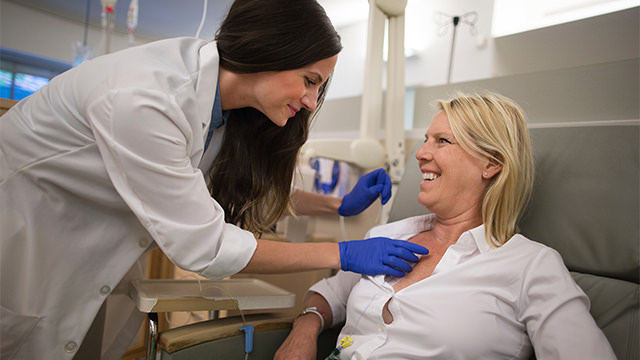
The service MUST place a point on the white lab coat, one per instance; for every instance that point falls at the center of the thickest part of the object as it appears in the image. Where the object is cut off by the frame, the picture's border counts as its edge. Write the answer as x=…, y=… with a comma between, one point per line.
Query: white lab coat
x=95, y=168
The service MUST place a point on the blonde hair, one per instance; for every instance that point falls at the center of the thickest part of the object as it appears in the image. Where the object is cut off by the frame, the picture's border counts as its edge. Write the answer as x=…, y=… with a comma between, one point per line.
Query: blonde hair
x=491, y=126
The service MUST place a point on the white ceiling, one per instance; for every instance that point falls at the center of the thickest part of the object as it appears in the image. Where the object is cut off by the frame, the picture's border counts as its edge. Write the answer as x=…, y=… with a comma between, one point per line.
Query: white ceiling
x=169, y=18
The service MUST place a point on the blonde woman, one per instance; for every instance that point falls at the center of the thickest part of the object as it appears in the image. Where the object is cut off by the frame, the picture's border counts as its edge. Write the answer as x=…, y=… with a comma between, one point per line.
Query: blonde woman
x=483, y=291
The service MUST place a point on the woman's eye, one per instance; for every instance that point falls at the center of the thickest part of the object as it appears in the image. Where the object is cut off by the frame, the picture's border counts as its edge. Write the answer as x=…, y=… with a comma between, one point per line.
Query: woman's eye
x=444, y=141
x=309, y=81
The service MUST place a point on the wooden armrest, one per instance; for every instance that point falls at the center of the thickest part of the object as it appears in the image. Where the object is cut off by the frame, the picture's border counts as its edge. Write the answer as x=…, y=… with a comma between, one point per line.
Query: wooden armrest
x=179, y=338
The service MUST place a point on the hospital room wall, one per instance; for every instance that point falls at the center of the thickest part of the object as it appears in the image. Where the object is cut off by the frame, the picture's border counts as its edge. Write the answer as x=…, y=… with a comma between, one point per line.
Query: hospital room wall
x=582, y=61
x=584, y=71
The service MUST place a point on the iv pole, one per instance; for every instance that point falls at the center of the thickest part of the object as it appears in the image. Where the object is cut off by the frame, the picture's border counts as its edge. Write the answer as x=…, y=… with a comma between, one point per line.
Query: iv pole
x=469, y=18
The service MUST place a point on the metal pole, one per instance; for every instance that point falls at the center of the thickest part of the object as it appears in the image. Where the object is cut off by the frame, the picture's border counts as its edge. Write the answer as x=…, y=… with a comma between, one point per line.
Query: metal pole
x=152, y=338
x=456, y=20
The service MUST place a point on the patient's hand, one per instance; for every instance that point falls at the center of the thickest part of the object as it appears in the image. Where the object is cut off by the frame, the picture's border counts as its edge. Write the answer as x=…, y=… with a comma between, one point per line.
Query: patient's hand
x=301, y=344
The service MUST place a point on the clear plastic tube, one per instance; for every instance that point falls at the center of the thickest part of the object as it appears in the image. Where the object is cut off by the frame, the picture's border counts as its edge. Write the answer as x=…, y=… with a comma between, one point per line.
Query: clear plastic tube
x=204, y=16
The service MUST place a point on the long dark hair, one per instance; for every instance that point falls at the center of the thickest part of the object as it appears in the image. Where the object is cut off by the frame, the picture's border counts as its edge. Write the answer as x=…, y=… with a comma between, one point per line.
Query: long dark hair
x=251, y=176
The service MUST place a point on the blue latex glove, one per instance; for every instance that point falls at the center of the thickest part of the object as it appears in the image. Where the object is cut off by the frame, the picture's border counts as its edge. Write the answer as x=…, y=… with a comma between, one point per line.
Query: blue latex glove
x=367, y=189
x=379, y=255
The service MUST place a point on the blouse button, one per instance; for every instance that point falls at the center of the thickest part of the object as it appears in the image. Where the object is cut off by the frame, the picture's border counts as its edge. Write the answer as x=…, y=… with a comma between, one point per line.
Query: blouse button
x=143, y=242
x=105, y=290
x=70, y=347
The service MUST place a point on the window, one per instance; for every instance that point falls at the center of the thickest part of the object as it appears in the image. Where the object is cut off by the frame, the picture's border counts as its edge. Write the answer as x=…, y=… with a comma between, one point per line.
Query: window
x=22, y=74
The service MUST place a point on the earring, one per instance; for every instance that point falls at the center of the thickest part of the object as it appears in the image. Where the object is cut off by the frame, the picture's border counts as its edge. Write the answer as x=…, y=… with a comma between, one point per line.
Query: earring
x=486, y=174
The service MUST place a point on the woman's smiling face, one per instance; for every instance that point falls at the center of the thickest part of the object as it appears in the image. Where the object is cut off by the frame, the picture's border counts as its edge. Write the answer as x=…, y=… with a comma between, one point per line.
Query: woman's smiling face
x=281, y=94
x=453, y=181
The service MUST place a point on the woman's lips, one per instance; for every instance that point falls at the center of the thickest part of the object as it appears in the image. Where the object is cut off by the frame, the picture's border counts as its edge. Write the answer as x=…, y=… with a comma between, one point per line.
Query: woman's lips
x=292, y=110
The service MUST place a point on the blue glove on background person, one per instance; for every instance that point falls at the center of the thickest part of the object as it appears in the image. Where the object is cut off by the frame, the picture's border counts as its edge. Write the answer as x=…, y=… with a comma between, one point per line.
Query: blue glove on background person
x=365, y=192
x=379, y=255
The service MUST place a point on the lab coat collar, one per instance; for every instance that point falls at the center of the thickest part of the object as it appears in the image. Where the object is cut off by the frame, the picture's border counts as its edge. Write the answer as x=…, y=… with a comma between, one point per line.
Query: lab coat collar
x=207, y=81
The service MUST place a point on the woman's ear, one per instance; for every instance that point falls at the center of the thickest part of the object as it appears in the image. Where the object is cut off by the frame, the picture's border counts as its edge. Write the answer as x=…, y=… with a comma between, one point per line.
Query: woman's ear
x=491, y=169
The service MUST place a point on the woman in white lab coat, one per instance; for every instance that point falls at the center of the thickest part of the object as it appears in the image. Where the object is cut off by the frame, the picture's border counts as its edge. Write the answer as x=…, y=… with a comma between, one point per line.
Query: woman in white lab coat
x=126, y=151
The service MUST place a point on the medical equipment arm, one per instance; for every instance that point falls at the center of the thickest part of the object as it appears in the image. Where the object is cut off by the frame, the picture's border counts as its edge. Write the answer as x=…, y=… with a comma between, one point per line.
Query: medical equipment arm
x=367, y=152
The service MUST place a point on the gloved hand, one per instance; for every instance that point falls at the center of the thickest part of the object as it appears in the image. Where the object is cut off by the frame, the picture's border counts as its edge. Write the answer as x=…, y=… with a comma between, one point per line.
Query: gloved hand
x=379, y=255
x=368, y=188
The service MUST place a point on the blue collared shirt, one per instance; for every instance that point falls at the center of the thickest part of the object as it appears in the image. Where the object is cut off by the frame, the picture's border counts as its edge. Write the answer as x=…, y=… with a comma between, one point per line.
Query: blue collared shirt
x=218, y=117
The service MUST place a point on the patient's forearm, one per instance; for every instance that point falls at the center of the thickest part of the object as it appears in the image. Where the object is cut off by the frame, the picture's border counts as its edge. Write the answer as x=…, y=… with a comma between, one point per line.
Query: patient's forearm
x=312, y=204
x=276, y=257
x=301, y=343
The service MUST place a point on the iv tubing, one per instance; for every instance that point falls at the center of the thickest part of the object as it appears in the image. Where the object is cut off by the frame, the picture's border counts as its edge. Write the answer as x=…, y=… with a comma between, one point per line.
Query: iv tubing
x=204, y=16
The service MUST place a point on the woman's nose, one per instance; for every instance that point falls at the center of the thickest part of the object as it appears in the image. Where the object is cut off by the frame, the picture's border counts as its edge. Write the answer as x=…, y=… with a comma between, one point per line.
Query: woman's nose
x=310, y=100
x=424, y=152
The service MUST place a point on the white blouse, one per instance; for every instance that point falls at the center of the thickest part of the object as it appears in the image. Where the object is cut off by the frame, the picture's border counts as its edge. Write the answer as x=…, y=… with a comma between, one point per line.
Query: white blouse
x=480, y=303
